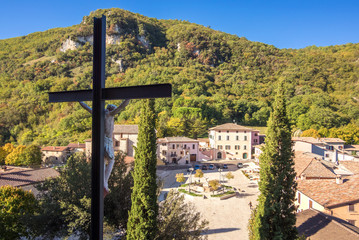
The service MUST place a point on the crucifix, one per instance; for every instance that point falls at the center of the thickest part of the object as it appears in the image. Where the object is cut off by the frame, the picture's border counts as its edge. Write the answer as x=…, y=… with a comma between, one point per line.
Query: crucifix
x=98, y=95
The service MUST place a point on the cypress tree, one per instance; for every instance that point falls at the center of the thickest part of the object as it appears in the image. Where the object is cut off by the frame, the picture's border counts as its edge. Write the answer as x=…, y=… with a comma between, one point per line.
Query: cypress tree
x=142, y=222
x=275, y=217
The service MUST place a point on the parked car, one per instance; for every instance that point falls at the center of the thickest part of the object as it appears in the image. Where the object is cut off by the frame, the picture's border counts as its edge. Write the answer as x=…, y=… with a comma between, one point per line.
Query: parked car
x=197, y=167
x=218, y=166
x=239, y=165
x=204, y=167
x=211, y=167
x=225, y=166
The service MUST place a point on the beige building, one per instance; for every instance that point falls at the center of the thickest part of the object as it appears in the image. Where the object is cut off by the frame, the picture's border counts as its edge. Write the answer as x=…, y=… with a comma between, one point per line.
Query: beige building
x=55, y=154
x=234, y=141
x=179, y=150
x=337, y=197
x=124, y=138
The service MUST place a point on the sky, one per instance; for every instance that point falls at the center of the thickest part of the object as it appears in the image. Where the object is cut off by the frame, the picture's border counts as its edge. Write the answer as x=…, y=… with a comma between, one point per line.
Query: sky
x=282, y=23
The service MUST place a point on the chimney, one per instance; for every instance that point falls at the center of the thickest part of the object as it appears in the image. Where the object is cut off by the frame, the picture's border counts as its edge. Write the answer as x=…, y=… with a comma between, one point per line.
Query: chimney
x=339, y=179
x=303, y=177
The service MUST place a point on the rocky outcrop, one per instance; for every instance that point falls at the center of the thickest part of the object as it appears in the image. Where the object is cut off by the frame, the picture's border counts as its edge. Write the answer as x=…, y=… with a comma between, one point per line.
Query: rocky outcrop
x=120, y=64
x=144, y=41
x=86, y=39
x=69, y=44
x=113, y=39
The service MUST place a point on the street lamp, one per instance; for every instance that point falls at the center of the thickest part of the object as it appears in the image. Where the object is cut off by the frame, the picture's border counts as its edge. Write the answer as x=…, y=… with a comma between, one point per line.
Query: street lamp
x=190, y=179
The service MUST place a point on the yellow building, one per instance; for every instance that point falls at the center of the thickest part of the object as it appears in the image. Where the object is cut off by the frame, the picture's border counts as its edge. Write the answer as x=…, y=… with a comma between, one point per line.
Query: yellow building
x=233, y=141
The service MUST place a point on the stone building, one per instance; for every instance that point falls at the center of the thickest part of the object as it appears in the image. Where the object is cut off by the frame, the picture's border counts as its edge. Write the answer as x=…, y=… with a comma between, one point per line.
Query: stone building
x=124, y=138
x=180, y=150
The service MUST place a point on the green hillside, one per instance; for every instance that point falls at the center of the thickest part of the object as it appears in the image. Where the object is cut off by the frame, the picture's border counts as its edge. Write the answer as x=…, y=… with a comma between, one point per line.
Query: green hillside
x=216, y=78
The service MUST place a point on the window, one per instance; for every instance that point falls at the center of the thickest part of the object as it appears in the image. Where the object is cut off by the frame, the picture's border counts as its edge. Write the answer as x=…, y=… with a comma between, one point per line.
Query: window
x=219, y=131
x=236, y=153
x=227, y=138
x=237, y=138
x=163, y=144
x=310, y=204
x=340, y=147
x=181, y=152
x=185, y=146
x=227, y=131
x=244, y=147
x=236, y=147
x=298, y=197
x=326, y=155
x=177, y=145
x=219, y=138
x=193, y=146
x=351, y=208
x=228, y=147
x=352, y=222
x=173, y=146
x=164, y=152
x=219, y=147
x=245, y=131
x=255, y=140
x=245, y=138
x=256, y=134
x=118, y=143
x=236, y=131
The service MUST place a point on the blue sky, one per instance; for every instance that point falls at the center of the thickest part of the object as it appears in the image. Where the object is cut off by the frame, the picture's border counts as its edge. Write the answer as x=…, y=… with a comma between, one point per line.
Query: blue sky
x=282, y=23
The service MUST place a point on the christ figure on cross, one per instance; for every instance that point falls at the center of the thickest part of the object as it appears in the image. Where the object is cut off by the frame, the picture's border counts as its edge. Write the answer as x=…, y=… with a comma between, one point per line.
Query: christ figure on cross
x=110, y=112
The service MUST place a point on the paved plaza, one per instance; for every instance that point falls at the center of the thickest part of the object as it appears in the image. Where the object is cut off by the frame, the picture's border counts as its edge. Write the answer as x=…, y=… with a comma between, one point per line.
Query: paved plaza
x=228, y=218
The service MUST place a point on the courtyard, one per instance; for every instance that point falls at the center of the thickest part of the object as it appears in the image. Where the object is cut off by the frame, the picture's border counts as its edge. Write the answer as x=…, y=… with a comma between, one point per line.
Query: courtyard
x=227, y=218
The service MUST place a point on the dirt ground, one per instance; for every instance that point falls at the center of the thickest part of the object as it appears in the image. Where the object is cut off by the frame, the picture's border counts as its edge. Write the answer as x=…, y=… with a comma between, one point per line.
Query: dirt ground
x=228, y=218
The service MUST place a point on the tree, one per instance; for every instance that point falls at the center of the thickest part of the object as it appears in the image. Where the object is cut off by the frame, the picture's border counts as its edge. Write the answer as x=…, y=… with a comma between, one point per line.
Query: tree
x=3, y=155
x=310, y=133
x=275, y=217
x=16, y=157
x=32, y=155
x=180, y=177
x=214, y=184
x=142, y=222
x=199, y=174
x=65, y=201
x=179, y=220
x=229, y=175
x=15, y=204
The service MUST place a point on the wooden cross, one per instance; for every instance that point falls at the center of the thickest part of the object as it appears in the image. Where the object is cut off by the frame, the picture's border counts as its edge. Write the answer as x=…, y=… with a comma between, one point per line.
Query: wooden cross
x=98, y=96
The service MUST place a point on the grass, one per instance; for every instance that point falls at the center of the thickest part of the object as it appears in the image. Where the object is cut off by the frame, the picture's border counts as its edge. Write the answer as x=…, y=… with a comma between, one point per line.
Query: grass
x=223, y=194
x=184, y=185
x=190, y=193
x=227, y=187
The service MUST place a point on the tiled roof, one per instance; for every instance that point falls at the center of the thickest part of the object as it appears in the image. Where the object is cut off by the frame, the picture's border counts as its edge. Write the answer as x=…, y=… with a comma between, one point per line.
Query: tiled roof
x=301, y=161
x=177, y=139
x=76, y=145
x=126, y=129
x=351, y=166
x=328, y=193
x=332, y=140
x=88, y=140
x=318, y=226
x=203, y=139
x=318, y=169
x=307, y=139
x=231, y=126
x=54, y=148
x=16, y=176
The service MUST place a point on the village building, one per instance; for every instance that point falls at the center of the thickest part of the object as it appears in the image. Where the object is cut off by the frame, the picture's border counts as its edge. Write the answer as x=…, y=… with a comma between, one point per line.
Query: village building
x=316, y=225
x=179, y=150
x=25, y=178
x=337, y=197
x=55, y=155
x=233, y=141
x=76, y=147
x=124, y=139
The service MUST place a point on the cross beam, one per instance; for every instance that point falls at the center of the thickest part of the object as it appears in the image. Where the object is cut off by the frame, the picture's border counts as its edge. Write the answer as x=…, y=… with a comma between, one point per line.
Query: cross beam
x=98, y=95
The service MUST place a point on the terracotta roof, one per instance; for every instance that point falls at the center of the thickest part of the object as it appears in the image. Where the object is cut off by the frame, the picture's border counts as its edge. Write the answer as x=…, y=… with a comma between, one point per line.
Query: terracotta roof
x=88, y=140
x=203, y=139
x=129, y=159
x=177, y=139
x=126, y=129
x=318, y=226
x=231, y=126
x=301, y=161
x=318, y=169
x=351, y=166
x=328, y=193
x=332, y=140
x=76, y=145
x=16, y=176
x=54, y=148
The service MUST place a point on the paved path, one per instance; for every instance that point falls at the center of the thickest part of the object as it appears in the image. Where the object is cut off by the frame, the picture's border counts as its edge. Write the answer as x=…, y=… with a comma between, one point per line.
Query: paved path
x=228, y=218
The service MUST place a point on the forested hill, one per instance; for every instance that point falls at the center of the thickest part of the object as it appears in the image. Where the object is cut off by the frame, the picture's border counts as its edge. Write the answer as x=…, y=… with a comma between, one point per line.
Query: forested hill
x=216, y=78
